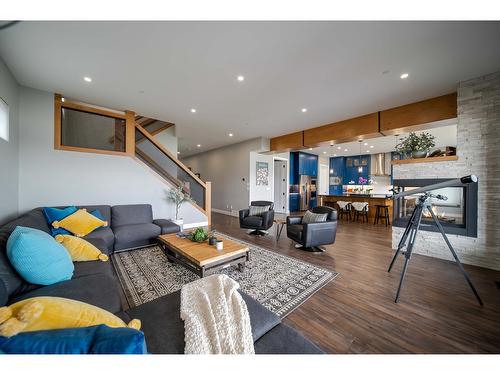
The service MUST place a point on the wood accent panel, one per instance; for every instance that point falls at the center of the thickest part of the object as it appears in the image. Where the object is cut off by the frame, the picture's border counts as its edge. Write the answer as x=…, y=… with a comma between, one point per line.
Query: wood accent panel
x=208, y=201
x=425, y=160
x=202, y=254
x=164, y=127
x=362, y=127
x=91, y=109
x=130, y=133
x=356, y=313
x=288, y=142
x=91, y=150
x=426, y=111
x=57, y=121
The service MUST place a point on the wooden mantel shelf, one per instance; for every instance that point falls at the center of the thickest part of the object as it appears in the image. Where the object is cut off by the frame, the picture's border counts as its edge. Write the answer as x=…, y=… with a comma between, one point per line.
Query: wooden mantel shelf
x=425, y=160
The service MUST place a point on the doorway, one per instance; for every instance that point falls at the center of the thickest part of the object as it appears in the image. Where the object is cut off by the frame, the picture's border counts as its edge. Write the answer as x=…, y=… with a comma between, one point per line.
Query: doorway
x=280, y=185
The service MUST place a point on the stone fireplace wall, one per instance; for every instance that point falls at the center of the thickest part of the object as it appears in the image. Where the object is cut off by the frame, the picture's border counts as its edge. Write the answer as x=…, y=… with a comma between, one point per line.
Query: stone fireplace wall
x=478, y=150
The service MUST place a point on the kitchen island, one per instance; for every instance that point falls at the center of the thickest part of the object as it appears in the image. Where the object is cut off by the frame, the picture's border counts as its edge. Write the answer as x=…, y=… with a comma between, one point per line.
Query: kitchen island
x=372, y=199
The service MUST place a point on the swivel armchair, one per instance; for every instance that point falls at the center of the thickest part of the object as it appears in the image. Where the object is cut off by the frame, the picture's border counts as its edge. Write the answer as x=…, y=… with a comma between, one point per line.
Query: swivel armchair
x=310, y=236
x=259, y=217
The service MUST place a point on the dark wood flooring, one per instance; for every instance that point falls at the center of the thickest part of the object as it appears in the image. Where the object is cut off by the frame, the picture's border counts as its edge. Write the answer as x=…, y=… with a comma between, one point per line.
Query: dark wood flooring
x=355, y=313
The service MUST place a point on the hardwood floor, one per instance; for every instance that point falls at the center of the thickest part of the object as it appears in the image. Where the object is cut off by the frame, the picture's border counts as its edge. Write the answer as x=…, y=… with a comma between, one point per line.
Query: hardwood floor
x=355, y=313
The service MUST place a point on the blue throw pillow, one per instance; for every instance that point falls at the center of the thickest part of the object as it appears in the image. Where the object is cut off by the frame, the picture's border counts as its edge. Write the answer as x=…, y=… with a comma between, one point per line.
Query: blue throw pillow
x=38, y=257
x=98, y=215
x=99, y=339
x=56, y=214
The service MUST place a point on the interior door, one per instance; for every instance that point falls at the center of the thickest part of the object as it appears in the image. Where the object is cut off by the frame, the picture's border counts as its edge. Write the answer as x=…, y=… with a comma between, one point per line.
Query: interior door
x=280, y=186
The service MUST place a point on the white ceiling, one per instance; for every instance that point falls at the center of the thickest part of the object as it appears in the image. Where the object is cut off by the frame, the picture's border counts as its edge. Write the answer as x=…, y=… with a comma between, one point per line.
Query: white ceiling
x=443, y=136
x=334, y=69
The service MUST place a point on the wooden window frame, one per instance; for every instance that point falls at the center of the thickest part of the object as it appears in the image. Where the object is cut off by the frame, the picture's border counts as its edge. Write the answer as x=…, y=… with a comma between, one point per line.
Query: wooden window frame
x=128, y=116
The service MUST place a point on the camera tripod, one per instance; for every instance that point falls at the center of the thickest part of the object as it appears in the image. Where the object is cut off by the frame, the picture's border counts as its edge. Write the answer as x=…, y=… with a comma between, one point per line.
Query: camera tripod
x=410, y=235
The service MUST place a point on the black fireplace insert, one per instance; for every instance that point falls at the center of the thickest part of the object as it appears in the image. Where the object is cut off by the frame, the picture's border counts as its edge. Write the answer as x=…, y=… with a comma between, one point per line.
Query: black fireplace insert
x=457, y=214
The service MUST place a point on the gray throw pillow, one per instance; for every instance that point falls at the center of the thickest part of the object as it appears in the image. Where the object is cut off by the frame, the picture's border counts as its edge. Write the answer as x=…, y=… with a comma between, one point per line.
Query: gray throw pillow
x=310, y=217
x=258, y=210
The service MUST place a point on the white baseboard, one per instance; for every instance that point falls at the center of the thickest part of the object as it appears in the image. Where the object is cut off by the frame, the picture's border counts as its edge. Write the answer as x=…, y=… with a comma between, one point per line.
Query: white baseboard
x=224, y=212
x=195, y=225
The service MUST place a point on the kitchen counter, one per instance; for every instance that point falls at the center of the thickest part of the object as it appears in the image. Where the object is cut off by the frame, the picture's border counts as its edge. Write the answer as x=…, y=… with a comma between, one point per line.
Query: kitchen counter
x=372, y=199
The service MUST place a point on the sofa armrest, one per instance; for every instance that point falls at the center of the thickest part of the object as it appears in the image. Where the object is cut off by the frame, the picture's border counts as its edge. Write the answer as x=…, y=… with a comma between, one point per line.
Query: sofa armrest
x=167, y=226
x=267, y=218
x=244, y=213
x=291, y=220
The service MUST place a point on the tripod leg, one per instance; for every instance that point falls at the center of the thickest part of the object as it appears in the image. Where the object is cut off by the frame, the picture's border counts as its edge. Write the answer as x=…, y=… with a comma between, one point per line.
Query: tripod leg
x=440, y=227
x=403, y=239
x=413, y=236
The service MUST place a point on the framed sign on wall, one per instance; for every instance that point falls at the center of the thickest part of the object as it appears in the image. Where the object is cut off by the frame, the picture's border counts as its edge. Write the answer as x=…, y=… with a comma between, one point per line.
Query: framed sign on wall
x=262, y=171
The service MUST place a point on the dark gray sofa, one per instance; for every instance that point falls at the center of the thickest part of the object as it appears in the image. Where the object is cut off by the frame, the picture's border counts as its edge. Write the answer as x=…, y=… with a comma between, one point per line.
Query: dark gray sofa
x=96, y=283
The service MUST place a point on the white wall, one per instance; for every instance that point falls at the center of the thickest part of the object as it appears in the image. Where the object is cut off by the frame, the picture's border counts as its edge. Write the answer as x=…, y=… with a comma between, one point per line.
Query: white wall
x=228, y=168
x=54, y=177
x=9, y=175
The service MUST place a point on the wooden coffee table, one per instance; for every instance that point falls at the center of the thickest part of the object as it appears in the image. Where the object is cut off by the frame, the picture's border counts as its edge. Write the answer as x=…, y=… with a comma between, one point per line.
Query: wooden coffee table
x=201, y=258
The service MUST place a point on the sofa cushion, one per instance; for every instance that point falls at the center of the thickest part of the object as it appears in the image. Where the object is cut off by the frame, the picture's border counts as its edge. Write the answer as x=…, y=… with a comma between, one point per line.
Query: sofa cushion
x=13, y=282
x=4, y=297
x=131, y=214
x=103, y=239
x=167, y=226
x=94, y=267
x=80, y=223
x=55, y=214
x=166, y=335
x=285, y=340
x=253, y=221
x=38, y=257
x=135, y=235
x=295, y=230
x=98, y=290
x=99, y=339
x=80, y=250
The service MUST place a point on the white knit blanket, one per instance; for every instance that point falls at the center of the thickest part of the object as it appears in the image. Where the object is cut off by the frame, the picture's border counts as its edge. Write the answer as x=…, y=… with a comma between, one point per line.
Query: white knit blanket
x=216, y=319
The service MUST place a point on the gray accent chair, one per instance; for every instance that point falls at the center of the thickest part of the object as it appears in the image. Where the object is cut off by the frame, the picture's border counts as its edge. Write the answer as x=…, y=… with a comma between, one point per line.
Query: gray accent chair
x=258, y=224
x=311, y=236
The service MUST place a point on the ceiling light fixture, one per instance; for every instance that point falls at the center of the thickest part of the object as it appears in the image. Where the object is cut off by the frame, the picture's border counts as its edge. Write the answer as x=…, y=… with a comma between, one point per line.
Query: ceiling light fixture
x=310, y=148
x=371, y=146
x=345, y=149
x=365, y=144
x=404, y=75
x=334, y=154
x=178, y=152
x=198, y=146
x=241, y=78
x=87, y=79
x=304, y=110
x=230, y=134
x=193, y=110
x=324, y=152
x=339, y=148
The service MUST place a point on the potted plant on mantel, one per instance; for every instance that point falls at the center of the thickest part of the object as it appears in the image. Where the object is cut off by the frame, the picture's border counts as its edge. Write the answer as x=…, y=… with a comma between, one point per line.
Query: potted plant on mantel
x=178, y=197
x=416, y=146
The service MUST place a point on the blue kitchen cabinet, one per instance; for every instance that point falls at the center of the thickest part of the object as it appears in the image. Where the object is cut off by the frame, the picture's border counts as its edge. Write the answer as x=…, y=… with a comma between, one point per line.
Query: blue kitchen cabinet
x=294, y=202
x=351, y=168
x=308, y=164
x=337, y=173
x=294, y=168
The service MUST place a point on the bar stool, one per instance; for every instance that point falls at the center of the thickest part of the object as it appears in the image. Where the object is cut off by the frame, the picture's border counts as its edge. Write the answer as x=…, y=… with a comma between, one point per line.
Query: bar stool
x=360, y=210
x=344, y=209
x=382, y=212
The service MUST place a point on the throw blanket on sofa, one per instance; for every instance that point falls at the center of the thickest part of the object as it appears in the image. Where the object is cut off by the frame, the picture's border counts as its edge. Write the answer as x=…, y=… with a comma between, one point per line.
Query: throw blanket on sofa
x=216, y=319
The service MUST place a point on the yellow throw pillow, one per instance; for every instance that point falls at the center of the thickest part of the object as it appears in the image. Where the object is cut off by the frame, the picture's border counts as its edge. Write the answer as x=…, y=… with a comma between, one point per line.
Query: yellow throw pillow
x=79, y=249
x=43, y=313
x=80, y=223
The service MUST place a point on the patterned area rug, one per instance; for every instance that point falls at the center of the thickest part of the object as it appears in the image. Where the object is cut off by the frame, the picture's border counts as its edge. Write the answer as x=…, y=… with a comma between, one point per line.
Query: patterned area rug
x=279, y=282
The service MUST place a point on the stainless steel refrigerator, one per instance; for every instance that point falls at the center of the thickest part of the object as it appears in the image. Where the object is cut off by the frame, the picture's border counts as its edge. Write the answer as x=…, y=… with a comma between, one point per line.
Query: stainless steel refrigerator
x=307, y=190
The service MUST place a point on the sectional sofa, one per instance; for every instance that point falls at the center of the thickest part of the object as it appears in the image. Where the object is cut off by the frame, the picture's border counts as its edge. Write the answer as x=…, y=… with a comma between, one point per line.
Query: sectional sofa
x=96, y=283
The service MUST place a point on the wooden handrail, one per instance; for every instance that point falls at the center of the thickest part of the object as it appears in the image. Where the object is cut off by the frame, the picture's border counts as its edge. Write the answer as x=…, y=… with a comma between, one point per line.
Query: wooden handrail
x=169, y=154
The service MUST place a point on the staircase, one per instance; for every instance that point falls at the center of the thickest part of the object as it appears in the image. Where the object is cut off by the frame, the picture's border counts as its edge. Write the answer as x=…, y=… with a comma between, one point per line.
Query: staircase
x=152, y=153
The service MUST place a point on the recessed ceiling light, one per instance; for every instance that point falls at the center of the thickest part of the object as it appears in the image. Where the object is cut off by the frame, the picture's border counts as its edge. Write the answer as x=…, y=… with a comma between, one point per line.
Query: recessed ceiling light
x=87, y=79
x=339, y=148
x=324, y=152
x=178, y=152
x=367, y=150
x=404, y=75
x=241, y=78
x=198, y=146
x=334, y=154
x=304, y=110
x=366, y=143
x=345, y=149
x=310, y=148
x=63, y=100
x=193, y=110
x=371, y=146
x=230, y=134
